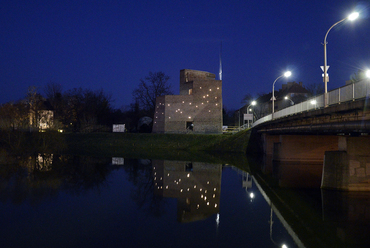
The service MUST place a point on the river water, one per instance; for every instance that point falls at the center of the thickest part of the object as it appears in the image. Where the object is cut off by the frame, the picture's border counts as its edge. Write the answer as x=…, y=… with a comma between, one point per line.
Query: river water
x=79, y=201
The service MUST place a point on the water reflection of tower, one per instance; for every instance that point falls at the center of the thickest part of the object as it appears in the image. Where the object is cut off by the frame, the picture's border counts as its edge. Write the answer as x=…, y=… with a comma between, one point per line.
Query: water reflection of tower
x=195, y=185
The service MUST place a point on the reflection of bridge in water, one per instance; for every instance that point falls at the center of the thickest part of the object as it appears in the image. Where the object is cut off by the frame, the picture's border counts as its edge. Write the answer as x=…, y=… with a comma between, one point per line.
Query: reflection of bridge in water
x=247, y=183
x=313, y=218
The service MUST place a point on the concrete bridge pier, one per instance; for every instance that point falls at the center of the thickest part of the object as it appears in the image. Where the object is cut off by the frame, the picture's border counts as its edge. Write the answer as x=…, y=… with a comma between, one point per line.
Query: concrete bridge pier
x=348, y=168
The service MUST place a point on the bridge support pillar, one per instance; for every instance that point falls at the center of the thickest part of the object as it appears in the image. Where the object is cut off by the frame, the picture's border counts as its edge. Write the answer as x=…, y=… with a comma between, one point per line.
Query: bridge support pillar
x=348, y=168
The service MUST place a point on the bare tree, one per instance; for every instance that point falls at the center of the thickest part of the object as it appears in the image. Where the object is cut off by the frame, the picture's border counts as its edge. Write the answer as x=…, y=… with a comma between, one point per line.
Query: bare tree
x=83, y=108
x=315, y=88
x=247, y=98
x=154, y=85
x=53, y=93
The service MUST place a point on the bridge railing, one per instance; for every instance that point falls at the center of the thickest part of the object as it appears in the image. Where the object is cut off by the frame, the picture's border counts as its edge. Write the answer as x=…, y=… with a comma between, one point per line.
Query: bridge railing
x=346, y=93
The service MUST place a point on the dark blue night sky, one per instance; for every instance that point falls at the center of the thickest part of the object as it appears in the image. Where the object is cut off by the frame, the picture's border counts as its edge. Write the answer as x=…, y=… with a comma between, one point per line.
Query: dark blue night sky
x=111, y=45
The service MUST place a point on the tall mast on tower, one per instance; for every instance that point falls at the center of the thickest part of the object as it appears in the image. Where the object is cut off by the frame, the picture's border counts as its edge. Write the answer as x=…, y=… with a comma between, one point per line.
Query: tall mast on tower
x=220, y=71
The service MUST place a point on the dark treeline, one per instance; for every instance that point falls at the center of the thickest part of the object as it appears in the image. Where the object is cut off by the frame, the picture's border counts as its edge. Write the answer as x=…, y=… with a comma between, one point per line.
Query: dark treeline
x=75, y=110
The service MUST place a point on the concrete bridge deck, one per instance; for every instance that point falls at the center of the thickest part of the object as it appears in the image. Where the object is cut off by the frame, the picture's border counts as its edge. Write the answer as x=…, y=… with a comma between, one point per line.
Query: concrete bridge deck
x=346, y=118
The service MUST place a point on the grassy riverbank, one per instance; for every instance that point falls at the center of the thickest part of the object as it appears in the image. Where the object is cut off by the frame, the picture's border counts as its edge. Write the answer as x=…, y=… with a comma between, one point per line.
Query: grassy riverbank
x=162, y=146
x=201, y=147
x=119, y=142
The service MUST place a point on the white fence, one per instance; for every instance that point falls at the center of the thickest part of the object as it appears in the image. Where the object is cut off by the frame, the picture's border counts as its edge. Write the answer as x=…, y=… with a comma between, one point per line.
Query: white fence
x=346, y=93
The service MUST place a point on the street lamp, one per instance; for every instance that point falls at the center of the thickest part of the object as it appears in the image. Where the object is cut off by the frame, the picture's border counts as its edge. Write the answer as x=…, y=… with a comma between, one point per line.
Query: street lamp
x=252, y=104
x=286, y=74
x=367, y=73
x=351, y=17
x=291, y=101
x=313, y=102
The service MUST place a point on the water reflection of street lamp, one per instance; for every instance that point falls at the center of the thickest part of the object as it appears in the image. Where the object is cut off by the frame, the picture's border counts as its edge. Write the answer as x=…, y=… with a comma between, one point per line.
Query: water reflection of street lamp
x=291, y=101
x=247, y=184
x=271, y=222
x=351, y=17
x=286, y=74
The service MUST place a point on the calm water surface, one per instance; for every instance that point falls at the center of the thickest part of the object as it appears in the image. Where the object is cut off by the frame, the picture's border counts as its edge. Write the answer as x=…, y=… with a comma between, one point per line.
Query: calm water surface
x=85, y=202
x=64, y=201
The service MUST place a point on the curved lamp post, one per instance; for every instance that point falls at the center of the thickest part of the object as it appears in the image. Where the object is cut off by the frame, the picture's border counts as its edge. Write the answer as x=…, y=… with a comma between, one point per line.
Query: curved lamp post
x=286, y=74
x=252, y=104
x=291, y=101
x=351, y=17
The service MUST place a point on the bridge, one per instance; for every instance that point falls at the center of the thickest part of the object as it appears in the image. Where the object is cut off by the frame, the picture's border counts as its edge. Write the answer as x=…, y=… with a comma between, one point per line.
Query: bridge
x=335, y=137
